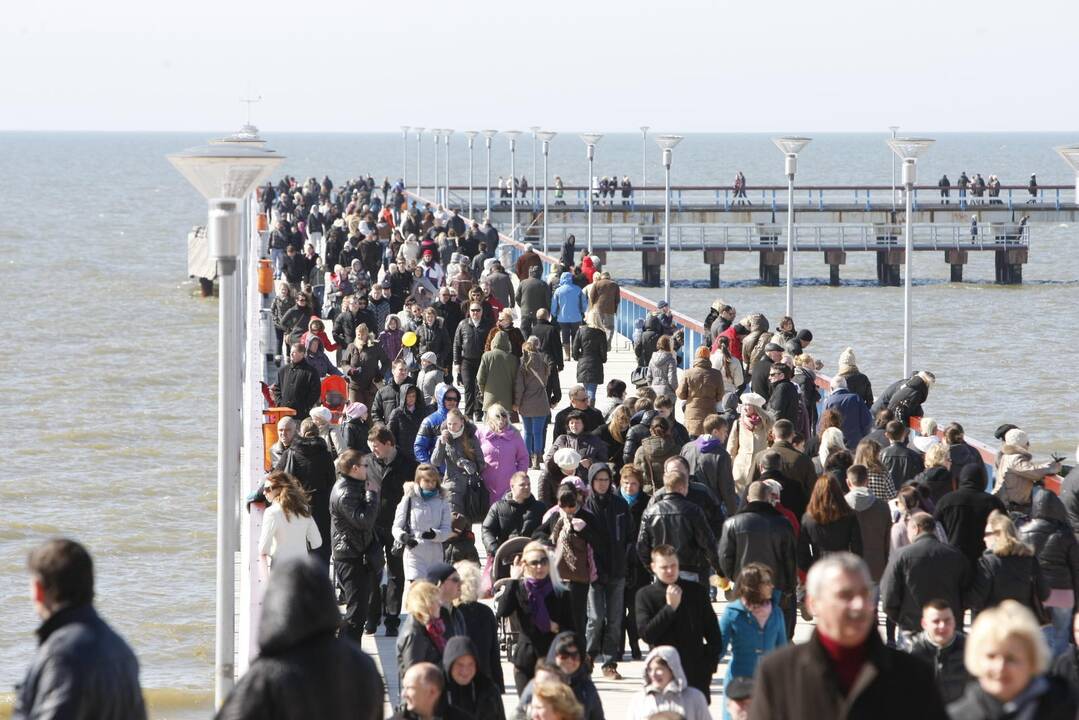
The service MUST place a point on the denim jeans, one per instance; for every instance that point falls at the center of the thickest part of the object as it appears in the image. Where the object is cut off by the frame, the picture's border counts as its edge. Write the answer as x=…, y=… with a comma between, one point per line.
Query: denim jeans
x=604, y=628
x=276, y=256
x=1059, y=632
x=590, y=388
x=535, y=431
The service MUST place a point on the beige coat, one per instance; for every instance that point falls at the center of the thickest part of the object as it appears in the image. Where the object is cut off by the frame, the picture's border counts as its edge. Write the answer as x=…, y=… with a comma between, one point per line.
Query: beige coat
x=743, y=444
x=1016, y=474
x=702, y=389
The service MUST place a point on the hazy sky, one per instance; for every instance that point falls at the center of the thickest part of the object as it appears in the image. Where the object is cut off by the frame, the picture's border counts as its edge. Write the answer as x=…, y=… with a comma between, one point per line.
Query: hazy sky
x=677, y=65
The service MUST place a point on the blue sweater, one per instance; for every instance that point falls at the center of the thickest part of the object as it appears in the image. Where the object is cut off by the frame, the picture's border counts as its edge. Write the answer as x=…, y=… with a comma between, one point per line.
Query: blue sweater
x=747, y=641
x=568, y=304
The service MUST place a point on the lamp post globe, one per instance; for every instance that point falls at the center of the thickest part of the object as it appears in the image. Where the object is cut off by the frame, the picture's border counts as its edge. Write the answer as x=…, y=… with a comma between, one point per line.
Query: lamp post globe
x=590, y=140
x=667, y=143
x=790, y=147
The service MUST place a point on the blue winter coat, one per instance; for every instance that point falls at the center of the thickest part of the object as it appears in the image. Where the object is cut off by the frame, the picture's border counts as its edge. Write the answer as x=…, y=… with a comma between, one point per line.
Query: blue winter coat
x=857, y=422
x=568, y=304
x=747, y=641
x=430, y=428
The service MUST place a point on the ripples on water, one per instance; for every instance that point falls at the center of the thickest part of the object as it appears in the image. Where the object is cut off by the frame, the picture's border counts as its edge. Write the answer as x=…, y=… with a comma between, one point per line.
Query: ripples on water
x=111, y=379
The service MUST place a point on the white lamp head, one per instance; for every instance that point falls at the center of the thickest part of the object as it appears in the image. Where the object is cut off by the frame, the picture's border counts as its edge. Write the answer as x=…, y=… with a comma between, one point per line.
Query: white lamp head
x=511, y=134
x=791, y=145
x=246, y=135
x=419, y=131
x=489, y=133
x=533, y=129
x=226, y=169
x=405, y=129
x=668, y=142
x=447, y=131
x=910, y=148
x=546, y=135
x=645, y=128
x=471, y=133
x=591, y=138
x=1070, y=154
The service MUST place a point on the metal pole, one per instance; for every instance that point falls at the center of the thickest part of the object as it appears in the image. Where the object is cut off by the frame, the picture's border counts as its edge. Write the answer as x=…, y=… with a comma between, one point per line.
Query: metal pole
x=470, y=143
x=534, y=164
x=436, y=134
x=404, y=157
x=644, y=163
x=224, y=221
x=488, y=176
x=513, y=189
x=419, y=161
x=546, y=148
x=446, y=143
x=588, y=194
x=894, y=129
x=790, y=243
x=667, y=154
x=907, y=263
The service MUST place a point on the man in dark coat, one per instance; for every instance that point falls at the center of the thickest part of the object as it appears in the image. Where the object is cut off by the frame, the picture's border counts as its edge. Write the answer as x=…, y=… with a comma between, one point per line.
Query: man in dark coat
x=760, y=533
x=388, y=469
x=82, y=668
x=310, y=461
x=793, y=463
x=759, y=379
x=578, y=401
x=449, y=311
x=302, y=669
x=532, y=295
x=516, y=514
x=1069, y=495
x=468, y=688
x=905, y=397
x=551, y=345
x=468, y=344
x=844, y=670
x=901, y=462
x=389, y=395
x=357, y=552
x=924, y=570
x=676, y=612
x=784, y=399
x=406, y=418
x=942, y=647
x=675, y=520
x=710, y=463
x=857, y=421
x=297, y=385
x=963, y=512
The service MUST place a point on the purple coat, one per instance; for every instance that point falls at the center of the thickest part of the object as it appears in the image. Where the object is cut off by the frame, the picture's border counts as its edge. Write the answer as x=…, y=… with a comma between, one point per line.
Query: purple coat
x=505, y=453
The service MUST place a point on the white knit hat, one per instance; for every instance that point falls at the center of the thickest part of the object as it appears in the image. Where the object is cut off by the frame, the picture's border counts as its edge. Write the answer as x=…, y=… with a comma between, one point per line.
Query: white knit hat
x=567, y=458
x=752, y=398
x=1016, y=437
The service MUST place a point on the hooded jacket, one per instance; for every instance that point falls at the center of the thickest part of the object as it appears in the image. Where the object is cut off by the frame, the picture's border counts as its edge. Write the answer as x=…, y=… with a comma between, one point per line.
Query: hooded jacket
x=430, y=427
x=1016, y=474
x=310, y=461
x=650, y=456
x=590, y=352
x=530, y=386
x=924, y=570
x=303, y=670
x=613, y=542
x=646, y=346
x=363, y=367
x=498, y=373
x=581, y=681
x=480, y=698
x=677, y=697
x=1056, y=548
x=568, y=303
x=875, y=523
x=710, y=465
x=404, y=422
x=459, y=466
x=507, y=519
x=1005, y=577
x=962, y=513
x=702, y=388
x=298, y=387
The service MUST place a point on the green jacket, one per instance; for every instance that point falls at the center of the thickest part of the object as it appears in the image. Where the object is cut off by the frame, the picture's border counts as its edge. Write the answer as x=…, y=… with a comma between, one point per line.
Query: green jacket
x=497, y=373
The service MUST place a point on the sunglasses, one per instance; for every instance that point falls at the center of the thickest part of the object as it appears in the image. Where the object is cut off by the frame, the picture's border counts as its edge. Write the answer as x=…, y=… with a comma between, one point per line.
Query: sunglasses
x=540, y=562
x=569, y=653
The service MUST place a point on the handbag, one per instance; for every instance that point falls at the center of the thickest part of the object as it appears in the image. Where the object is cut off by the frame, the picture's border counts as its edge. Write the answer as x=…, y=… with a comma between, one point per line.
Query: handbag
x=398, y=546
x=477, y=501
x=639, y=377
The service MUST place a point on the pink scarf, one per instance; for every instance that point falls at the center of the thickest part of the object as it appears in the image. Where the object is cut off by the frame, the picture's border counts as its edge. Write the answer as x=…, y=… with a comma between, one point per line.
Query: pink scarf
x=436, y=629
x=762, y=612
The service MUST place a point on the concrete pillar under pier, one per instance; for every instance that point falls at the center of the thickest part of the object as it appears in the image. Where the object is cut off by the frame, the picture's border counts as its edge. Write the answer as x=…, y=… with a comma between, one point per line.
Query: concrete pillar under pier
x=651, y=262
x=1009, y=265
x=888, y=262
x=833, y=259
x=769, y=267
x=714, y=259
x=957, y=259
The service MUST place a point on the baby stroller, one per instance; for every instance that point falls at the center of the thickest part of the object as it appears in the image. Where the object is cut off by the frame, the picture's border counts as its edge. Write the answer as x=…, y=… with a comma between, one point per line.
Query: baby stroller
x=508, y=630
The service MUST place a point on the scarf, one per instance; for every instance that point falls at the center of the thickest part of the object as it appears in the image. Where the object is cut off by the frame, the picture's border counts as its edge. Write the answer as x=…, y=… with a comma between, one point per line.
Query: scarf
x=537, y=591
x=761, y=612
x=751, y=423
x=847, y=661
x=436, y=629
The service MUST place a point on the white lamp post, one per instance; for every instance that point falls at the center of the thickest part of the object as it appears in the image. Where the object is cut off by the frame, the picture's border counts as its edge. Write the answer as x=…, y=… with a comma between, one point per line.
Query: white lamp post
x=446, y=145
x=1070, y=154
x=644, y=162
x=667, y=143
x=471, y=135
x=909, y=149
x=419, y=159
x=534, y=130
x=790, y=146
x=512, y=135
x=487, y=135
x=224, y=174
x=546, y=136
x=590, y=139
x=404, y=154
x=894, y=129
x=436, y=133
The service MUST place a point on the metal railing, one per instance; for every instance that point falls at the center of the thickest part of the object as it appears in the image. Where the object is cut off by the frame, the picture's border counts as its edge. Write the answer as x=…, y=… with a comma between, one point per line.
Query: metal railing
x=807, y=237
x=774, y=198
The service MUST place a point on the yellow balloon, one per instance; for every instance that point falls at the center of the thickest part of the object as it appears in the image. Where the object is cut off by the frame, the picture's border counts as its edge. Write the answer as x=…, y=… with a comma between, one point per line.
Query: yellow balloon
x=409, y=339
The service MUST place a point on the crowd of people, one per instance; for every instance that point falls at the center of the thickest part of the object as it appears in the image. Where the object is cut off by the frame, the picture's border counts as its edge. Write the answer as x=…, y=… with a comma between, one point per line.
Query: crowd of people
x=976, y=189
x=644, y=508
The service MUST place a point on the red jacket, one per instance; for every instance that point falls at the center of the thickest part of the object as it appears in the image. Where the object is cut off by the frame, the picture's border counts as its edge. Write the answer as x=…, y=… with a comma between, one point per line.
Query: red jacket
x=733, y=344
x=327, y=344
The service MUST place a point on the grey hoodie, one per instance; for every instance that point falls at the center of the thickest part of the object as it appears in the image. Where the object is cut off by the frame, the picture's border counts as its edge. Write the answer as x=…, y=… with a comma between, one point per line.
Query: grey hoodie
x=677, y=696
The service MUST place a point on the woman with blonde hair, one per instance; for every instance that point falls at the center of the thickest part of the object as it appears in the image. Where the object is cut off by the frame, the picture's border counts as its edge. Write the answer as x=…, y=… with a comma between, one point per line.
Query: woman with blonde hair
x=540, y=607
x=504, y=452
x=880, y=482
x=1007, y=655
x=702, y=388
x=288, y=529
x=663, y=368
x=531, y=399
x=831, y=440
x=422, y=522
x=555, y=701
x=1007, y=571
x=479, y=622
x=423, y=633
x=590, y=351
x=613, y=433
x=937, y=476
x=748, y=437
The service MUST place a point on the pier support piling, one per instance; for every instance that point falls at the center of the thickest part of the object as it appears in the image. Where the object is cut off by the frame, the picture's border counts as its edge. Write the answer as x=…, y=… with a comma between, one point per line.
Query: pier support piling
x=957, y=259
x=651, y=262
x=714, y=259
x=1009, y=265
x=888, y=262
x=769, y=267
x=833, y=259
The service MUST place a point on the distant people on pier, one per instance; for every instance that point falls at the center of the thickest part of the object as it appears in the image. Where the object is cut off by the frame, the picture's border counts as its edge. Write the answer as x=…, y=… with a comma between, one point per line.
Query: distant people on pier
x=1032, y=189
x=740, y=189
x=945, y=186
x=627, y=190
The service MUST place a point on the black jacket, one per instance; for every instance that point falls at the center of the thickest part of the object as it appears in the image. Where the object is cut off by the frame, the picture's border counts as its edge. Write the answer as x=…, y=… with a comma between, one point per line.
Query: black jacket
x=532, y=643
x=938, y=480
x=550, y=343
x=593, y=418
x=758, y=379
x=1069, y=495
x=82, y=670
x=947, y=663
x=590, y=352
x=1057, y=703
x=507, y=519
x=468, y=341
x=798, y=681
x=386, y=400
x=405, y=425
x=310, y=461
x=692, y=629
x=451, y=315
x=303, y=670
x=675, y=520
x=391, y=477
x=478, y=621
x=924, y=570
x=356, y=432
x=904, y=398
x=963, y=512
x=1066, y=667
x=613, y=541
x=791, y=494
x=353, y=512
x=710, y=465
x=858, y=383
x=637, y=574
x=902, y=463
x=783, y=402
x=1013, y=577
x=1054, y=544
x=434, y=338
x=481, y=698
x=816, y=540
x=298, y=387
x=759, y=533
x=414, y=645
